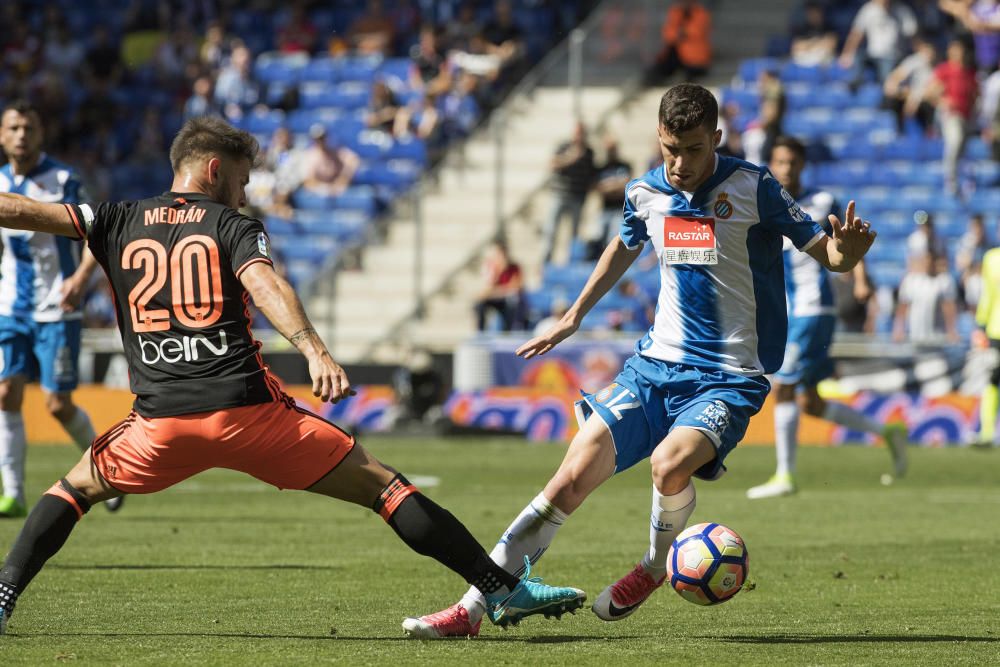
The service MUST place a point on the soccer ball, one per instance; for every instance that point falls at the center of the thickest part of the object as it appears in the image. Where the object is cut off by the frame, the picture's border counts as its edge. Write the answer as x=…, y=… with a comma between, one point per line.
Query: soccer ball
x=707, y=563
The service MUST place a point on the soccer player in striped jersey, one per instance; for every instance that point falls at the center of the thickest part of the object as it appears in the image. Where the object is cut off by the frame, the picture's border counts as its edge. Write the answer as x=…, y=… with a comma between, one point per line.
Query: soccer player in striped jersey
x=183, y=267
x=811, y=322
x=685, y=398
x=42, y=280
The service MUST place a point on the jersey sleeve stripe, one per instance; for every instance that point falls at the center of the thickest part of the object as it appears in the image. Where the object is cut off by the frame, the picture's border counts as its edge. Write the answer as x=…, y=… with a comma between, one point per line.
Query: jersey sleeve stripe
x=76, y=221
x=813, y=241
x=247, y=264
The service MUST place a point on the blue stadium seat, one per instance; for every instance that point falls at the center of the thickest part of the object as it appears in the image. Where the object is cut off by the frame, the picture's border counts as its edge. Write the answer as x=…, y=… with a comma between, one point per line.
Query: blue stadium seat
x=263, y=122
x=359, y=69
x=396, y=68
x=407, y=149
x=280, y=226
x=279, y=68
x=321, y=70
x=750, y=69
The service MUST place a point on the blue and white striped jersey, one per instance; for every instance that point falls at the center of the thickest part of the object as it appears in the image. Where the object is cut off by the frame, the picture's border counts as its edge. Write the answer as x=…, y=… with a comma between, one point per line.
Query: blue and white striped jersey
x=34, y=264
x=722, y=293
x=808, y=285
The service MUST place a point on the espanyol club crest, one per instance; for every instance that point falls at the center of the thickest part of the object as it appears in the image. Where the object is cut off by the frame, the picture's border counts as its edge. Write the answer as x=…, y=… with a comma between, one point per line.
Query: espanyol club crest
x=604, y=394
x=723, y=208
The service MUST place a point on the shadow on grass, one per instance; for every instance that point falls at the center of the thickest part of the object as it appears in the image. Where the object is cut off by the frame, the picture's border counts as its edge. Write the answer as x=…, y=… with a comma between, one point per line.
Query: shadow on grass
x=550, y=639
x=64, y=566
x=850, y=639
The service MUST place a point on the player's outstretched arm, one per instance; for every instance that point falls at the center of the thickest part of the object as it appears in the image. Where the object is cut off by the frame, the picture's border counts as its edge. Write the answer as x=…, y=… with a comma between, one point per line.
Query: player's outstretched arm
x=19, y=212
x=275, y=298
x=614, y=262
x=850, y=241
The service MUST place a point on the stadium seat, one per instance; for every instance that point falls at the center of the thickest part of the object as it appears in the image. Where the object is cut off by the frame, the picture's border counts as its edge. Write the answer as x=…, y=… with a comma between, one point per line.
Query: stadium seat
x=263, y=122
x=279, y=68
x=321, y=70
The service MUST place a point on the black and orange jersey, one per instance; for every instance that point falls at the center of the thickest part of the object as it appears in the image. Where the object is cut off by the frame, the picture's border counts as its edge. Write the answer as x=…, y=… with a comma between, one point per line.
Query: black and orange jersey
x=174, y=263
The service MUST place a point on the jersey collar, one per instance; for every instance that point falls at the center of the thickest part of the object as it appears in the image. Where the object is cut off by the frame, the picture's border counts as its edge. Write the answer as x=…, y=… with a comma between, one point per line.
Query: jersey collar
x=186, y=196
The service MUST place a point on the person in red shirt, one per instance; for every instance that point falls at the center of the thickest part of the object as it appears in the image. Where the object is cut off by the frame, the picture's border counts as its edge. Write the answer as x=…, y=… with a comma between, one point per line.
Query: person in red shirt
x=953, y=90
x=503, y=291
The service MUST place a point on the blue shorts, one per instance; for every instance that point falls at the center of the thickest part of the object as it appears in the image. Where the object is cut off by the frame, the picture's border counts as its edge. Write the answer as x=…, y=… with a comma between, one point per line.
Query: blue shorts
x=807, y=352
x=650, y=398
x=45, y=351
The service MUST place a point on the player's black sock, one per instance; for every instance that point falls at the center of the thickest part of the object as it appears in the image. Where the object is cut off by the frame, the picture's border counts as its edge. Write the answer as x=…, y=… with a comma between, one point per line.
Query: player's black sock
x=433, y=531
x=44, y=532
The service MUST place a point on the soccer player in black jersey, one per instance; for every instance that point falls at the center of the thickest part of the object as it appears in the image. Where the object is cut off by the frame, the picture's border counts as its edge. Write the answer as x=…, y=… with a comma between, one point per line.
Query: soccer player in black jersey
x=183, y=267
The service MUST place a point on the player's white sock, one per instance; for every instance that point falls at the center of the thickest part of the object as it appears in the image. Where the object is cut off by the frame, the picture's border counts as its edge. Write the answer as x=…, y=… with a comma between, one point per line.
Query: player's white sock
x=838, y=413
x=80, y=429
x=786, y=436
x=530, y=534
x=670, y=515
x=13, y=444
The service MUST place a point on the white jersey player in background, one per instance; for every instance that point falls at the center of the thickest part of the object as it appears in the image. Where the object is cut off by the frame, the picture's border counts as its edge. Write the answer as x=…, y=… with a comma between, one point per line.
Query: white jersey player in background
x=811, y=323
x=685, y=397
x=42, y=281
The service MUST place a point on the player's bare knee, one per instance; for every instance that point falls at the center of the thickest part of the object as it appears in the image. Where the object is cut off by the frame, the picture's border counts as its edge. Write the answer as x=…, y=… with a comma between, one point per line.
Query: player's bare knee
x=60, y=406
x=11, y=395
x=811, y=404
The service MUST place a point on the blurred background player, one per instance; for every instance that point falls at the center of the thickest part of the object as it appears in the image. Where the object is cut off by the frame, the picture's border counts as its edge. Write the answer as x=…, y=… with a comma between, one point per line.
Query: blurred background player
x=686, y=396
x=811, y=322
x=42, y=283
x=988, y=335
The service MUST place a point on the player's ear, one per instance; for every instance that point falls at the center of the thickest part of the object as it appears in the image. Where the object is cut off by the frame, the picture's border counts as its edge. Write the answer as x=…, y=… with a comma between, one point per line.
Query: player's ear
x=717, y=138
x=214, y=165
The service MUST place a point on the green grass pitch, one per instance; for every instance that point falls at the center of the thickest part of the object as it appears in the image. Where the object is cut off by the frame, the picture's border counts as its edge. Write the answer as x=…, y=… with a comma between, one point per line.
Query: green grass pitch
x=225, y=570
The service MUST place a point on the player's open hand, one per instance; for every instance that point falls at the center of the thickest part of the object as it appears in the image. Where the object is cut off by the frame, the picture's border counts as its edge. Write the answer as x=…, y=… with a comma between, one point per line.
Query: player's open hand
x=548, y=340
x=854, y=236
x=72, y=294
x=330, y=381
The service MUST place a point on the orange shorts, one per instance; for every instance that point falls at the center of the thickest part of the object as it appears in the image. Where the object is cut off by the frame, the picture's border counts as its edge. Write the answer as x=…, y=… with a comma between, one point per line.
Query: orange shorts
x=278, y=443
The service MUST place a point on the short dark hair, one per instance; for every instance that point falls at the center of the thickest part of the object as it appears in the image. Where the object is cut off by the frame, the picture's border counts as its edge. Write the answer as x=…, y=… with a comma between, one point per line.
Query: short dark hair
x=792, y=144
x=687, y=106
x=208, y=135
x=21, y=106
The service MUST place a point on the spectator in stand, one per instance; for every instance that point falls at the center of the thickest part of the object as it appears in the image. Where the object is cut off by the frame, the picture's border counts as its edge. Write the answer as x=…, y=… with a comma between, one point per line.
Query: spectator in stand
x=214, y=49
x=906, y=85
x=953, y=90
x=278, y=176
x=814, y=40
x=236, y=91
x=761, y=133
x=430, y=71
x=989, y=112
x=982, y=19
x=374, y=32
x=612, y=177
x=459, y=108
x=503, y=291
x=885, y=27
x=103, y=61
x=924, y=239
x=327, y=170
x=383, y=107
x=298, y=34
x=506, y=41
x=687, y=41
x=855, y=298
x=572, y=174
x=635, y=310
x=201, y=102
x=63, y=54
x=460, y=31
x=928, y=297
x=421, y=118
x=732, y=139
x=972, y=245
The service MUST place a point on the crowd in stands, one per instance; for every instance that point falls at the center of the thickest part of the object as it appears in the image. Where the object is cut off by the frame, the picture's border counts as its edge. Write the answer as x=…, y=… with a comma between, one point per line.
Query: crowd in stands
x=350, y=100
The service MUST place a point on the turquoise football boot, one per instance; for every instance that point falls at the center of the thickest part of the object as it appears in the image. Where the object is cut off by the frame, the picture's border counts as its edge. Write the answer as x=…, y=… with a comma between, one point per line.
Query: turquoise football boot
x=531, y=597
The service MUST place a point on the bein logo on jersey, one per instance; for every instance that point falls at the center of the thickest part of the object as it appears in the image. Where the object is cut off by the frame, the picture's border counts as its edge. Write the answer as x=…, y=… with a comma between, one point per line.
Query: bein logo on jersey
x=185, y=348
x=715, y=416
